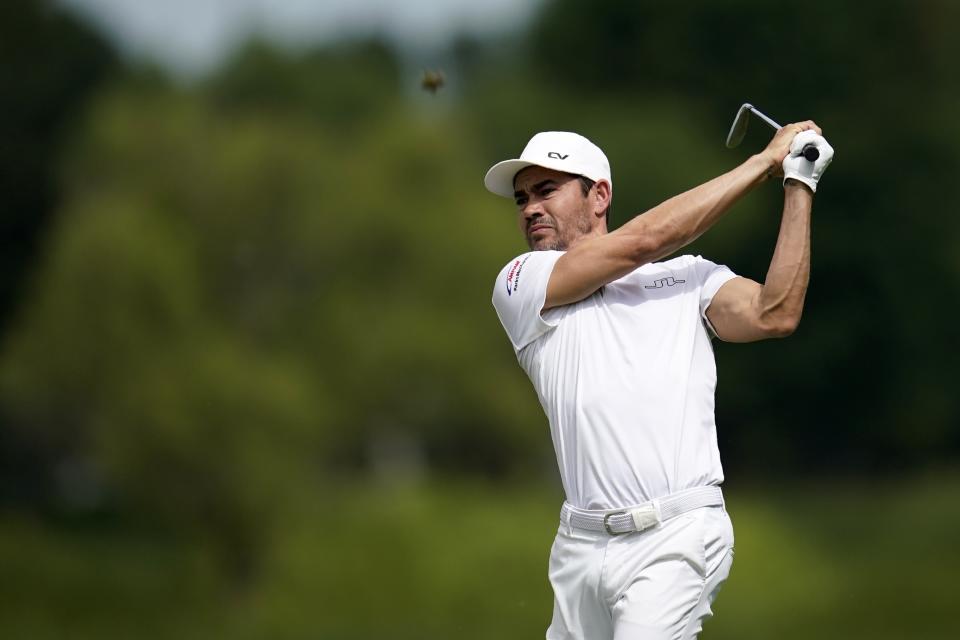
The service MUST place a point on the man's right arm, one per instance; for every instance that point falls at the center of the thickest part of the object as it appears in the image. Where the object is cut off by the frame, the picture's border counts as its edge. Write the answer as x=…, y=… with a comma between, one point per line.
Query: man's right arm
x=671, y=225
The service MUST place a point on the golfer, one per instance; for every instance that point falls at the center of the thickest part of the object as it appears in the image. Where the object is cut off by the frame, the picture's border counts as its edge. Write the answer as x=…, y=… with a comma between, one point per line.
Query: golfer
x=618, y=347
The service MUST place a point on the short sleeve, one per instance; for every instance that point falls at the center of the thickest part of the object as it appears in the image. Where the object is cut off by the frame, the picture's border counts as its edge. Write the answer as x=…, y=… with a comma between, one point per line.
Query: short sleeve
x=519, y=294
x=711, y=276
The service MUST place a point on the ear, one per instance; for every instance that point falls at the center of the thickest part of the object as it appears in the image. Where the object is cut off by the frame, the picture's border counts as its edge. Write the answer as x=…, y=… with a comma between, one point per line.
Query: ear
x=603, y=194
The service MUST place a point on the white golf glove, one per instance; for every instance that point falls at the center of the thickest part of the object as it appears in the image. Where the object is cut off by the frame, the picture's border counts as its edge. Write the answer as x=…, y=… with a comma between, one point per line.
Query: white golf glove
x=797, y=167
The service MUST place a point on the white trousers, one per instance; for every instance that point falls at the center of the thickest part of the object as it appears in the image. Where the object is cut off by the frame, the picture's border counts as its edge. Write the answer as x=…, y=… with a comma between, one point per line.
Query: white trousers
x=656, y=584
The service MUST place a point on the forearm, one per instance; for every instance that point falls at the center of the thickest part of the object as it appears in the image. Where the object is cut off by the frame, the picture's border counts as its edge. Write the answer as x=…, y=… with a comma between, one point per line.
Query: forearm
x=780, y=300
x=682, y=219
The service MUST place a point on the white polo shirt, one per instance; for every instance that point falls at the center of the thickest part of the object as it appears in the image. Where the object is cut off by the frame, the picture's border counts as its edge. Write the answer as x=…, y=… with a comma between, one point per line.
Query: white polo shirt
x=625, y=376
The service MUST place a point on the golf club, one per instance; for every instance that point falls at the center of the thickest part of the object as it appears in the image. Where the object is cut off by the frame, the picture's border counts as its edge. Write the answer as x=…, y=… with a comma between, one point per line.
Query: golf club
x=739, y=129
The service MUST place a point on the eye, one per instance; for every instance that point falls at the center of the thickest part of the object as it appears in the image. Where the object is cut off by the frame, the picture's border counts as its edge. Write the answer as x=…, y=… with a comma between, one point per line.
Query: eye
x=521, y=202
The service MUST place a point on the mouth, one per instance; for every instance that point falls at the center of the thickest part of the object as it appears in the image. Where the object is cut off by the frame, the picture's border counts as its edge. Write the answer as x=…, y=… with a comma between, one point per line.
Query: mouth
x=537, y=227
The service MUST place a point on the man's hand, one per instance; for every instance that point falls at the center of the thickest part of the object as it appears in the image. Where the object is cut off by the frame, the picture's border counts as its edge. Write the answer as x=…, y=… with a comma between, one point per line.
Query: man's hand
x=796, y=167
x=779, y=147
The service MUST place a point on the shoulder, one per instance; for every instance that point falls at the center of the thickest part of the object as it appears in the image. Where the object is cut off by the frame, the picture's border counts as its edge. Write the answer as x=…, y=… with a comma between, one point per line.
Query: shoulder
x=693, y=272
x=678, y=263
x=520, y=269
x=694, y=264
x=519, y=293
x=676, y=266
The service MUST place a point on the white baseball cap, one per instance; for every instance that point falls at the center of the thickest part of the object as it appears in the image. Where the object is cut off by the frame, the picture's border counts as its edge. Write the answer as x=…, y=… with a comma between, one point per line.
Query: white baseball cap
x=558, y=150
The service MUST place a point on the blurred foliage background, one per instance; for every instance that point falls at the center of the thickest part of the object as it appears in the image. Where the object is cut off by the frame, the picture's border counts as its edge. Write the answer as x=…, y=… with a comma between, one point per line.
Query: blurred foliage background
x=251, y=384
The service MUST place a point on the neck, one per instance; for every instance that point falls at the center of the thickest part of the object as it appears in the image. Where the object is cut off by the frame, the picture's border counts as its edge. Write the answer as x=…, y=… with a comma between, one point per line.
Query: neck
x=600, y=230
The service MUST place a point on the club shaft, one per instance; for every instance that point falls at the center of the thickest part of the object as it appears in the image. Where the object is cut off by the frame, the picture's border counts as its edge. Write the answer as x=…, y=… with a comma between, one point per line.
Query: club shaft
x=765, y=118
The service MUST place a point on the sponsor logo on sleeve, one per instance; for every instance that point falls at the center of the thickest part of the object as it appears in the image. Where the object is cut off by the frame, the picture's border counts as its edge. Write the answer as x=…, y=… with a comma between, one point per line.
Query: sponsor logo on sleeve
x=513, y=276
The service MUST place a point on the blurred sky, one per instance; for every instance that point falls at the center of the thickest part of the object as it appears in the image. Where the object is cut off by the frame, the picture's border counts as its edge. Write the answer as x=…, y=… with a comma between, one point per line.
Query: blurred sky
x=190, y=37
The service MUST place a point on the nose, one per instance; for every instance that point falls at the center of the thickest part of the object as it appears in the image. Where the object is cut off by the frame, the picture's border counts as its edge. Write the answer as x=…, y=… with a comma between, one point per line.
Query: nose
x=532, y=209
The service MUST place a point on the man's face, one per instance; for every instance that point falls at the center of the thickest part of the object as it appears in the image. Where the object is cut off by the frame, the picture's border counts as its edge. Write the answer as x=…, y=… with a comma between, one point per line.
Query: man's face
x=552, y=210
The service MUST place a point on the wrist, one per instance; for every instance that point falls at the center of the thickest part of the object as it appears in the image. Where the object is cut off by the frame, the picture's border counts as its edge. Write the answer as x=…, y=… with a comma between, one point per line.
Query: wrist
x=793, y=183
x=766, y=166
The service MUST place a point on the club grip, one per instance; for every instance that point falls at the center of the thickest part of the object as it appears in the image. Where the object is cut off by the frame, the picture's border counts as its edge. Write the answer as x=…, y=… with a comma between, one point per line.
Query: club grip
x=810, y=152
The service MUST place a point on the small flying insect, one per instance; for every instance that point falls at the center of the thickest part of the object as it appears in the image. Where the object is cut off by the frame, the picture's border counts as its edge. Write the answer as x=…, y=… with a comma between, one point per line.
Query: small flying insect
x=432, y=80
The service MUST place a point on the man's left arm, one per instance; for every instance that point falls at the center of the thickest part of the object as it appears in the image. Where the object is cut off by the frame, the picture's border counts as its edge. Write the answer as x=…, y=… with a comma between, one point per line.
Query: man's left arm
x=744, y=310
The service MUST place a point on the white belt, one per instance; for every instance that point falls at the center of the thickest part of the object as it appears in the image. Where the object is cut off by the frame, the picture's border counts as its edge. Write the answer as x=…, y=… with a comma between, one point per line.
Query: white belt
x=619, y=521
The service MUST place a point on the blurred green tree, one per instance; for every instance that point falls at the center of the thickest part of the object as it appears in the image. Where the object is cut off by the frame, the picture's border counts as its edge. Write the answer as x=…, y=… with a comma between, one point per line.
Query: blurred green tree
x=49, y=65
x=242, y=294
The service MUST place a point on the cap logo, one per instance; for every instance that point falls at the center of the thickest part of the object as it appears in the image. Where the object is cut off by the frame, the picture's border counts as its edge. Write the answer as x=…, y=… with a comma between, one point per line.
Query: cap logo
x=554, y=154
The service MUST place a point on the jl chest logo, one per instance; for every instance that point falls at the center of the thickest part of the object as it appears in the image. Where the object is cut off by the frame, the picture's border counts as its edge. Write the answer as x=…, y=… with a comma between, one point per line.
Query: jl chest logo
x=513, y=276
x=663, y=282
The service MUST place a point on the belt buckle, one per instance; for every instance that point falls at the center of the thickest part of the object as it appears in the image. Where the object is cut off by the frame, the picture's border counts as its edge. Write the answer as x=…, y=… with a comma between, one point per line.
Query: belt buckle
x=606, y=523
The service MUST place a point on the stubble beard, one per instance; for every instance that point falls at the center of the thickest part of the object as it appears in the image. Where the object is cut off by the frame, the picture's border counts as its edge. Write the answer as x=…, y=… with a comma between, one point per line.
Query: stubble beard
x=562, y=240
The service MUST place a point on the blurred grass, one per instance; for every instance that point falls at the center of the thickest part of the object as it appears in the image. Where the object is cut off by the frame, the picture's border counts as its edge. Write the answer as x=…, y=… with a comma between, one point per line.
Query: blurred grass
x=452, y=560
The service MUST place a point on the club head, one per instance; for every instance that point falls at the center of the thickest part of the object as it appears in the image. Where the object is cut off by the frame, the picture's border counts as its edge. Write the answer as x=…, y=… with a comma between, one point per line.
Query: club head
x=739, y=127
